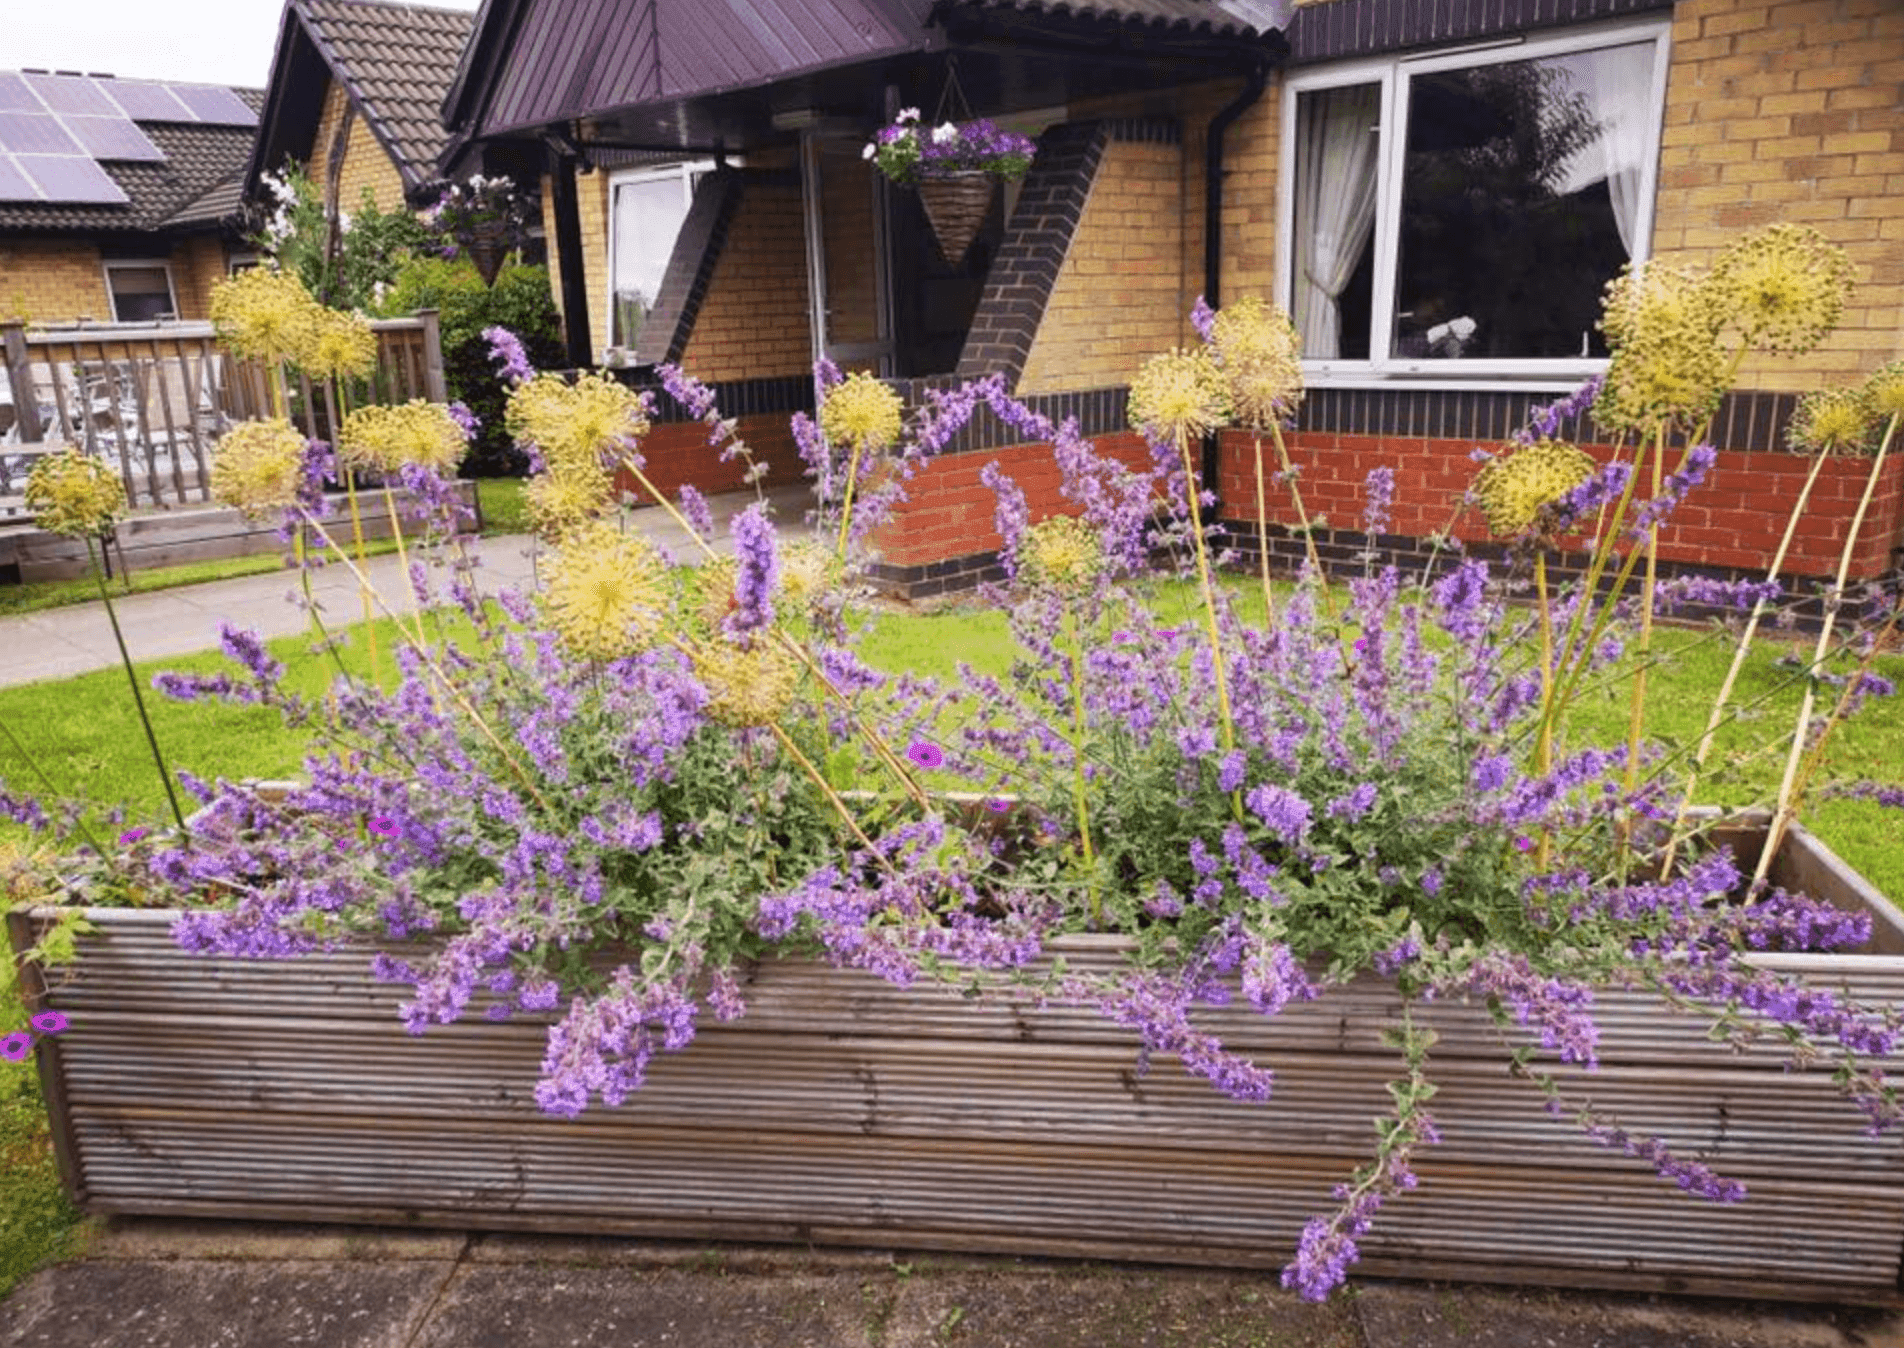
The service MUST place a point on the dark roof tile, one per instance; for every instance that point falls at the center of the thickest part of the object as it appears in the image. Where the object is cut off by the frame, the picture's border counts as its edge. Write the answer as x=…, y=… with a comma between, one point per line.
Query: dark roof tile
x=1195, y=16
x=397, y=62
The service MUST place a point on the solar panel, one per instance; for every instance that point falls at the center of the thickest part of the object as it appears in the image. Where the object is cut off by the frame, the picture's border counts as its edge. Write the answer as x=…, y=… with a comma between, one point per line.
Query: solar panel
x=34, y=133
x=73, y=178
x=73, y=93
x=215, y=104
x=15, y=96
x=113, y=138
x=145, y=101
x=15, y=185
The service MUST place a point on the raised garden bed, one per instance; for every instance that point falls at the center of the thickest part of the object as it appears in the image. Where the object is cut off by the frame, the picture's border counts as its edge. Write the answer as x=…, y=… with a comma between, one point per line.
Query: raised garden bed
x=844, y=1111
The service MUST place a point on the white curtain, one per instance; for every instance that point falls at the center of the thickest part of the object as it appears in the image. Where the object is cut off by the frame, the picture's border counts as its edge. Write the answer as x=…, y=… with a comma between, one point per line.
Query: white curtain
x=1618, y=83
x=1336, y=145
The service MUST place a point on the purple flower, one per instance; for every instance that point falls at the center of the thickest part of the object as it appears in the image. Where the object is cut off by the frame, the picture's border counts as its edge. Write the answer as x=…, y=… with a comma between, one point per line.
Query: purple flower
x=383, y=826
x=468, y=420
x=758, y=568
x=506, y=347
x=997, y=806
x=49, y=1022
x=694, y=510
x=1285, y=812
x=1378, y=495
x=16, y=1046
x=132, y=835
x=925, y=754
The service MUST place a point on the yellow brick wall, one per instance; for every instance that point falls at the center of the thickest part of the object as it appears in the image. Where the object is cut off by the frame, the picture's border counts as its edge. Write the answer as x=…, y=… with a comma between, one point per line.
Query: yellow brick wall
x=753, y=324
x=847, y=216
x=197, y=264
x=52, y=281
x=1120, y=294
x=1792, y=111
x=366, y=165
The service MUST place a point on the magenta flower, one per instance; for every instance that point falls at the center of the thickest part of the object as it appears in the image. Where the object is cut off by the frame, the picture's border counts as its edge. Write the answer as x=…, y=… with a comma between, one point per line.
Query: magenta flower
x=383, y=826
x=925, y=754
x=49, y=1022
x=1525, y=843
x=997, y=806
x=132, y=835
x=16, y=1046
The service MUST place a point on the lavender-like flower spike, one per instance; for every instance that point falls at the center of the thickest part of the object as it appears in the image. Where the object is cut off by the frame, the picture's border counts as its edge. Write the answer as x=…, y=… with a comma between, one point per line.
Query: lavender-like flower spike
x=754, y=581
x=684, y=388
x=468, y=420
x=1379, y=500
x=694, y=509
x=1203, y=319
x=506, y=347
x=1011, y=516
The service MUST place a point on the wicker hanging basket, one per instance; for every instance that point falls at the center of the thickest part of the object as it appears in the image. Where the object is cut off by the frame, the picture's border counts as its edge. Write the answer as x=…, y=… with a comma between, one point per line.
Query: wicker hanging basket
x=956, y=205
x=487, y=244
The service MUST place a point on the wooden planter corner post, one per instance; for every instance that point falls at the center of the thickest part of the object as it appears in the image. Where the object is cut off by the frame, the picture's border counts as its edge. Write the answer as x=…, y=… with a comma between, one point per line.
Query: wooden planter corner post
x=842, y=1110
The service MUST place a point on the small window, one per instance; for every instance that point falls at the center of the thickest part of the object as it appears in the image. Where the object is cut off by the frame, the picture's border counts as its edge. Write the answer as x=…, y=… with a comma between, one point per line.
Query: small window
x=646, y=210
x=141, y=291
x=1461, y=213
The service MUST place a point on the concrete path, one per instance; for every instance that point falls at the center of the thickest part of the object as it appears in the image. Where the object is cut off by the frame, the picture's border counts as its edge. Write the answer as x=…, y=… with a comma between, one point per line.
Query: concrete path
x=152, y=1283
x=58, y=643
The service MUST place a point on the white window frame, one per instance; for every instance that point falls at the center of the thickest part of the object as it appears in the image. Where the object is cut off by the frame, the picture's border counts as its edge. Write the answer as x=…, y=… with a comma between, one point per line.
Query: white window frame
x=109, y=265
x=685, y=170
x=1392, y=73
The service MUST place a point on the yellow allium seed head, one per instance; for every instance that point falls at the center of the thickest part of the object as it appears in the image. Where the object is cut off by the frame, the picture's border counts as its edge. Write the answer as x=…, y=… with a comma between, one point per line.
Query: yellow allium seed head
x=1261, y=358
x=1781, y=288
x=606, y=596
x=1663, y=325
x=1832, y=421
x=258, y=466
x=383, y=439
x=74, y=494
x=746, y=687
x=343, y=347
x=862, y=412
x=1884, y=390
x=1516, y=491
x=807, y=570
x=562, y=499
x=1179, y=396
x=265, y=315
x=1061, y=552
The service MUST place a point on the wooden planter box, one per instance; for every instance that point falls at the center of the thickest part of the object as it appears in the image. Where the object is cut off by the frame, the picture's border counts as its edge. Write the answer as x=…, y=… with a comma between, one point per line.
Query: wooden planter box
x=841, y=1110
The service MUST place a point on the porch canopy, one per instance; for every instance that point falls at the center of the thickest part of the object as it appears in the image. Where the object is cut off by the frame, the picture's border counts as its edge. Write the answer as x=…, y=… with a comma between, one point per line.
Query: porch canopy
x=547, y=85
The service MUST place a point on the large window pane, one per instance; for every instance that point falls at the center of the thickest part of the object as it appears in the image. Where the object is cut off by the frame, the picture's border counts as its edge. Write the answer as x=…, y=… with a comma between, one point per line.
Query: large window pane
x=647, y=215
x=1520, y=195
x=140, y=293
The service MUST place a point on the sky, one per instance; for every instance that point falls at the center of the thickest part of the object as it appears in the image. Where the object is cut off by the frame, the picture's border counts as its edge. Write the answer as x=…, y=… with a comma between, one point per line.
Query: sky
x=201, y=41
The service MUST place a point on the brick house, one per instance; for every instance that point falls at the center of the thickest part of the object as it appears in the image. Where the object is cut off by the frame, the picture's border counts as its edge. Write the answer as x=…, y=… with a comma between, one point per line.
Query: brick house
x=1437, y=192
x=118, y=197
x=355, y=91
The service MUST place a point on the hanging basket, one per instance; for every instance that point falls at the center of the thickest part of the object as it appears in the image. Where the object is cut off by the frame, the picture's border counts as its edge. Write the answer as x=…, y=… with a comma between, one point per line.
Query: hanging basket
x=956, y=205
x=487, y=244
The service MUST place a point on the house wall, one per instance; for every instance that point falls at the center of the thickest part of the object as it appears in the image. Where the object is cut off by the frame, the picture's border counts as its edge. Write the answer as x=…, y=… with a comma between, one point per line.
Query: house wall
x=46, y=280
x=365, y=164
x=1128, y=244
x=753, y=323
x=57, y=280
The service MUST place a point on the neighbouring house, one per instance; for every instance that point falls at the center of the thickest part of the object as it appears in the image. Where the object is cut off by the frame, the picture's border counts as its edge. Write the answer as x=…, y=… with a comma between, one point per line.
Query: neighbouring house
x=356, y=88
x=1438, y=193
x=119, y=198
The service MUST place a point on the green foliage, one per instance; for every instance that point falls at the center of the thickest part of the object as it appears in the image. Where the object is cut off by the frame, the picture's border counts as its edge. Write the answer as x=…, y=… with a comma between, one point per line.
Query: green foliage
x=369, y=251
x=520, y=301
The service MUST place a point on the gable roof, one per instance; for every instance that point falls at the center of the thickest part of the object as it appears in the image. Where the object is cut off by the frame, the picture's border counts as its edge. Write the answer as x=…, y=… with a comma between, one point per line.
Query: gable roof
x=394, y=61
x=536, y=63
x=180, y=192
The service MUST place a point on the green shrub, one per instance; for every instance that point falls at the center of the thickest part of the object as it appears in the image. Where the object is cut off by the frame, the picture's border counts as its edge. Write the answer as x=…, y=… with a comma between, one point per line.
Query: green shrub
x=520, y=301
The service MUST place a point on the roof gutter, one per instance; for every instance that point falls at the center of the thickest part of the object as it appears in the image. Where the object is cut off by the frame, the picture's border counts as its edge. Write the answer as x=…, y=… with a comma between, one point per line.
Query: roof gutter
x=1226, y=117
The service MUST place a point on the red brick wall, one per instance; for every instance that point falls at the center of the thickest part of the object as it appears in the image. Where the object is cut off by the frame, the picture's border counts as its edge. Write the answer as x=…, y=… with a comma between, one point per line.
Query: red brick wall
x=1734, y=519
x=949, y=512
x=678, y=452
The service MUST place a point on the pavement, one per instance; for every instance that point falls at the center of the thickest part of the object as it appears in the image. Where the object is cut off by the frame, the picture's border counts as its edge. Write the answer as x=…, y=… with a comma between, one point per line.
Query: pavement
x=161, y=1283
x=59, y=643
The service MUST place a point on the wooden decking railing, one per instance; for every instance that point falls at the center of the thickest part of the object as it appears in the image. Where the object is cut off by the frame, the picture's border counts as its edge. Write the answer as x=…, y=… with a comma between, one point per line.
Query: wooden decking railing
x=153, y=399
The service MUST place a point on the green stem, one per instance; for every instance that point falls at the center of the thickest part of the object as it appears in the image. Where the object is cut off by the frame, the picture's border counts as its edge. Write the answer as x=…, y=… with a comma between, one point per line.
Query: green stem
x=138, y=696
x=52, y=792
x=1544, y=744
x=846, y=507
x=1077, y=760
x=1788, y=788
x=1636, y=704
x=1302, y=516
x=1262, y=531
x=357, y=540
x=1191, y=491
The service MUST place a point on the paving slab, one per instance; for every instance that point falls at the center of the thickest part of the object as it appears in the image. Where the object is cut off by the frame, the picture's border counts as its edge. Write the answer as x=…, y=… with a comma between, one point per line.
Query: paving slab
x=98, y=1303
x=1483, y=1317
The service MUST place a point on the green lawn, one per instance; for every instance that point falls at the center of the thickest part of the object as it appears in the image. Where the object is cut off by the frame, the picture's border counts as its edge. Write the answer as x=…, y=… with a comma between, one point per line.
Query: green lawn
x=84, y=730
